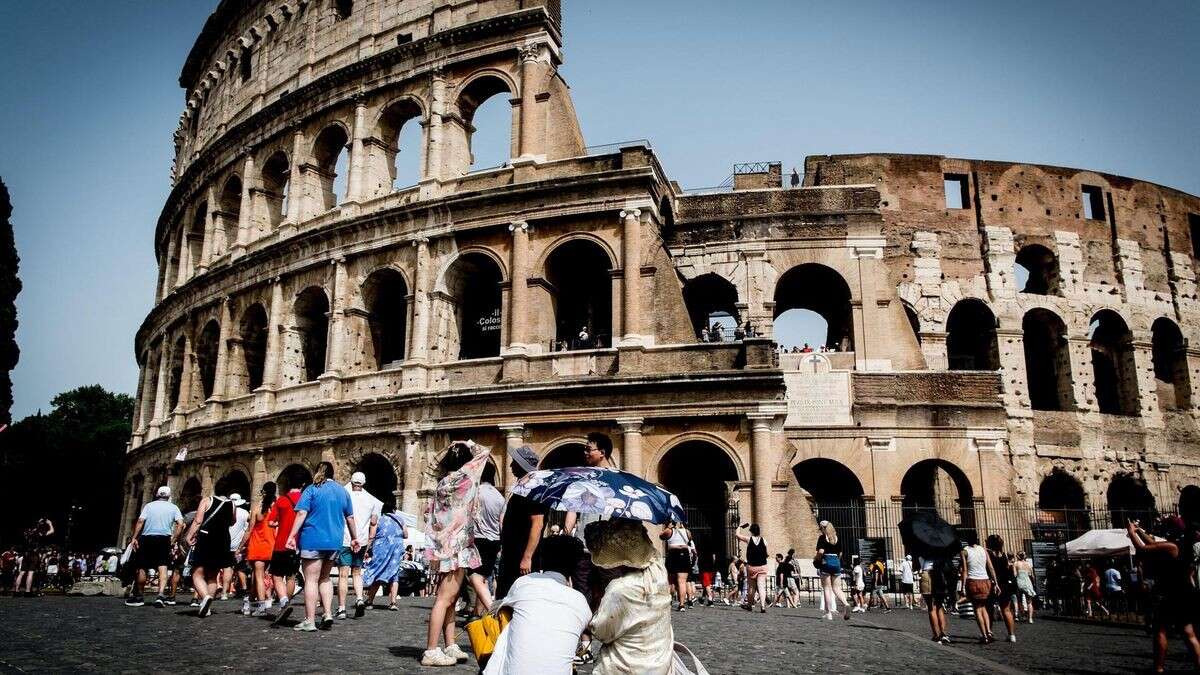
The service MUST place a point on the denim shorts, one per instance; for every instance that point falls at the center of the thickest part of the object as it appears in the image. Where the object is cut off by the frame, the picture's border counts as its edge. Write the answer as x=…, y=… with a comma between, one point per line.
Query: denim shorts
x=306, y=554
x=831, y=565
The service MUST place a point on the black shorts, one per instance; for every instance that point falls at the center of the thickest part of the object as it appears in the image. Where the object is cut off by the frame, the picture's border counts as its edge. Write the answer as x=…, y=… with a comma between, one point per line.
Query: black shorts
x=284, y=563
x=679, y=561
x=489, y=550
x=154, y=551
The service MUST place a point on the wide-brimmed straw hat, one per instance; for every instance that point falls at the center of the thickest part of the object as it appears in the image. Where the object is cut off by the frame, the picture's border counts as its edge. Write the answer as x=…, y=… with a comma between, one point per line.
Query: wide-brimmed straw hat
x=620, y=543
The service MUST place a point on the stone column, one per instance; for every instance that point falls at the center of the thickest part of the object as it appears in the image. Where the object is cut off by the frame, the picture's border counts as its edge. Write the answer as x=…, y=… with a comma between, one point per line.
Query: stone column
x=146, y=405
x=762, y=464
x=179, y=414
x=246, y=209
x=514, y=437
x=331, y=379
x=631, y=444
x=160, y=394
x=418, y=348
x=295, y=185
x=434, y=153
x=530, y=148
x=413, y=460
x=631, y=285
x=518, y=305
x=206, y=247
x=206, y=480
x=184, y=267
x=355, y=180
x=274, y=354
x=258, y=478
x=221, y=371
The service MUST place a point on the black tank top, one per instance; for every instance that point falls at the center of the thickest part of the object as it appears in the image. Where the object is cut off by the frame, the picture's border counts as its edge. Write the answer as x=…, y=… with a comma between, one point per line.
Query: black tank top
x=756, y=554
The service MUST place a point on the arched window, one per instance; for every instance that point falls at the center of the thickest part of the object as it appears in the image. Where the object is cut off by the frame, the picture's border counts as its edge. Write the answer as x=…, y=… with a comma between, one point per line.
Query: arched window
x=194, y=246
x=381, y=478
x=700, y=474
x=712, y=300
x=225, y=218
x=473, y=287
x=1170, y=366
x=1113, y=369
x=940, y=486
x=398, y=163
x=207, y=346
x=385, y=299
x=837, y=496
x=487, y=119
x=971, y=337
x=1037, y=270
x=253, y=331
x=1063, y=500
x=1047, y=361
x=331, y=158
x=312, y=327
x=276, y=175
x=1129, y=498
x=176, y=374
x=812, y=306
x=578, y=273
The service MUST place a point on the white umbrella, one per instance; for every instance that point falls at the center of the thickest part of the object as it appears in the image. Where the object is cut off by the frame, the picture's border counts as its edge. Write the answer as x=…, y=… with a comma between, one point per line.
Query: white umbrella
x=1100, y=543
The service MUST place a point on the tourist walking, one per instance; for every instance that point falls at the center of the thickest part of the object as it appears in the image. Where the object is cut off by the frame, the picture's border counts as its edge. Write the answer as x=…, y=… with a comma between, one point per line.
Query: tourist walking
x=679, y=560
x=451, y=551
x=708, y=576
x=237, y=532
x=858, y=584
x=829, y=565
x=756, y=567
x=1093, y=592
x=209, y=539
x=979, y=583
x=937, y=582
x=387, y=551
x=1026, y=585
x=786, y=589
x=316, y=533
x=257, y=548
x=879, y=584
x=1167, y=560
x=154, y=536
x=285, y=562
x=521, y=528
x=734, y=581
x=907, y=585
x=1007, y=582
x=31, y=556
x=367, y=510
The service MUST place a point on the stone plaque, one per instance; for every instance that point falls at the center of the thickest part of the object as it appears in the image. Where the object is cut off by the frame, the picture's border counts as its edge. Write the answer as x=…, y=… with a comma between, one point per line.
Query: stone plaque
x=818, y=399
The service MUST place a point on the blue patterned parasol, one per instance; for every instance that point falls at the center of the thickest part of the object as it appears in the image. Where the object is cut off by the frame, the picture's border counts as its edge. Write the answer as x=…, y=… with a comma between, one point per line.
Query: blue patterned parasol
x=609, y=492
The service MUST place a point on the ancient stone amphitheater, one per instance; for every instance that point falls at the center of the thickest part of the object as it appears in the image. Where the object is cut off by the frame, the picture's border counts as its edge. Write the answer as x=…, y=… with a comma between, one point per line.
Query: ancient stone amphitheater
x=1007, y=343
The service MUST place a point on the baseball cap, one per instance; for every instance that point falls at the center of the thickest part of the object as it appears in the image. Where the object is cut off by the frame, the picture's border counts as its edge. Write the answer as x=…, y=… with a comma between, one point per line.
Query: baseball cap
x=358, y=478
x=163, y=491
x=236, y=499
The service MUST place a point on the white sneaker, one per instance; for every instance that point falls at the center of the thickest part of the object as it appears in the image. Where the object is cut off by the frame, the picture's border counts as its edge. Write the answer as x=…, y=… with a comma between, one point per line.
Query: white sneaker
x=1012, y=638
x=435, y=657
x=455, y=652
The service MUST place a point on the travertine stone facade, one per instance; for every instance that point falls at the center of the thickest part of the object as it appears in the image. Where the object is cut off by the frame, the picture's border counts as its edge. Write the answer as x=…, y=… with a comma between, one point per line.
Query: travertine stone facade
x=310, y=308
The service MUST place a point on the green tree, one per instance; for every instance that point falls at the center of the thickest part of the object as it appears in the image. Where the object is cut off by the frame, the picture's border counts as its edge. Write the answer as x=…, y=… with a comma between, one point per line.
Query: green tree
x=68, y=465
x=10, y=286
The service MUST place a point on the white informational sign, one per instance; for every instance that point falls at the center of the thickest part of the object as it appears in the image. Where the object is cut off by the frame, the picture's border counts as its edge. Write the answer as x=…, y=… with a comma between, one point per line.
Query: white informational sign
x=816, y=396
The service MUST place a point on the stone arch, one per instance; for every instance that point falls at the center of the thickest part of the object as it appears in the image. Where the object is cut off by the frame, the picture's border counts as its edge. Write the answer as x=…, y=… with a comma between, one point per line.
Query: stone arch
x=471, y=293
x=564, y=453
x=383, y=477
x=194, y=238
x=971, y=336
x=476, y=90
x=576, y=236
x=1047, y=361
x=1063, y=499
x=1189, y=504
x=795, y=291
x=253, y=329
x=1041, y=270
x=1114, y=371
x=330, y=162
x=1171, y=373
x=914, y=319
x=293, y=475
x=234, y=481
x=939, y=485
x=385, y=300
x=189, y=496
x=741, y=473
x=176, y=373
x=701, y=473
x=442, y=283
x=578, y=275
x=834, y=493
x=226, y=214
x=310, y=313
x=275, y=182
x=711, y=298
x=1130, y=498
x=207, y=347
x=390, y=159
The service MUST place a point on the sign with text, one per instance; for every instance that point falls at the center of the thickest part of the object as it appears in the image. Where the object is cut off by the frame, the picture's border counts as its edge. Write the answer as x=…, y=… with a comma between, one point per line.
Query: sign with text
x=818, y=399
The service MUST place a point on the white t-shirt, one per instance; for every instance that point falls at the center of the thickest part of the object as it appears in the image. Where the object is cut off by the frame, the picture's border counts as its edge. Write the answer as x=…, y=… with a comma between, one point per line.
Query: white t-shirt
x=491, y=509
x=548, y=618
x=858, y=577
x=679, y=538
x=238, y=529
x=906, y=572
x=365, y=506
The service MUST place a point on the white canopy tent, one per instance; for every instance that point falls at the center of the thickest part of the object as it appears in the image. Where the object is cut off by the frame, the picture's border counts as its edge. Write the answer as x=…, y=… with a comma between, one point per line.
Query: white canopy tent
x=416, y=538
x=1100, y=543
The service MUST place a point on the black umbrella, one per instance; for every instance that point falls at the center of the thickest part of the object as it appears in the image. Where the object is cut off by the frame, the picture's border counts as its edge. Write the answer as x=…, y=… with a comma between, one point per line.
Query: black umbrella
x=925, y=533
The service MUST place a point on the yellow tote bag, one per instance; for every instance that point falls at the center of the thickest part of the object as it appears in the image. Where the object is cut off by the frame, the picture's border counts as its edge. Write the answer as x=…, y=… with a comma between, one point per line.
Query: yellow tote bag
x=485, y=631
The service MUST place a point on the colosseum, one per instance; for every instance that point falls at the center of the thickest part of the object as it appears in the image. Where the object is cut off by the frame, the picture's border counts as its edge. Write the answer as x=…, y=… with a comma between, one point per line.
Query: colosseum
x=1007, y=343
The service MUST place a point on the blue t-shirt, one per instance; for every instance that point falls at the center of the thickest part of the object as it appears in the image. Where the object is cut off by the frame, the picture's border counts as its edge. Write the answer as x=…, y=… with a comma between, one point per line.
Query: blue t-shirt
x=327, y=506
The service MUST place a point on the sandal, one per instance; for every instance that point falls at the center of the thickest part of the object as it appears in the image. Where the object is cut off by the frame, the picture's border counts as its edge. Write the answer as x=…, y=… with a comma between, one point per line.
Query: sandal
x=393, y=607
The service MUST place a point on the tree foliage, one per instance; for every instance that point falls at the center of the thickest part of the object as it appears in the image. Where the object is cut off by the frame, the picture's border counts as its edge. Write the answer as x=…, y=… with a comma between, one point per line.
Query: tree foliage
x=10, y=286
x=69, y=466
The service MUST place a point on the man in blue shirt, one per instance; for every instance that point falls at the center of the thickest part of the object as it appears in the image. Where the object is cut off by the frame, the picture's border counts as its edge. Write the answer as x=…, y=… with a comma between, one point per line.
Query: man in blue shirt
x=323, y=510
x=154, y=538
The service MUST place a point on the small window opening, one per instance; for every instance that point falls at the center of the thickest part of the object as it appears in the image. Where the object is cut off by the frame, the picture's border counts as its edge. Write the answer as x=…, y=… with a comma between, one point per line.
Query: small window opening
x=245, y=68
x=1194, y=227
x=343, y=8
x=1093, y=202
x=955, y=185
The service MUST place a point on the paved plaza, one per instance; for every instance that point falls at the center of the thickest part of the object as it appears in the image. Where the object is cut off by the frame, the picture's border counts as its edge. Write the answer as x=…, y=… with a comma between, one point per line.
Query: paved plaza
x=100, y=634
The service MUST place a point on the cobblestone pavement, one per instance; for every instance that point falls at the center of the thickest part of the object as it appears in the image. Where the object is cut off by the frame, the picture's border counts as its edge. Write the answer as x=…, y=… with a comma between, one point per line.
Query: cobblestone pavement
x=100, y=634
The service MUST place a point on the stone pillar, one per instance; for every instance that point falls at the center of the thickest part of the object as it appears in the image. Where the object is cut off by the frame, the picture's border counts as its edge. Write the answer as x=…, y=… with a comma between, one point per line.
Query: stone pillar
x=354, y=191
x=185, y=257
x=179, y=414
x=1147, y=385
x=258, y=478
x=206, y=480
x=762, y=463
x=331, y=379
x=631, y=444
x=206, y=247
x=146, y=404
x=246, y=209
x=274, y=355
x=999, y=260
x=413, y=460
x=530, y=148
x=221, y=371
x=295, y=186
x=160, y=394
x=757, y=312
x=631, y=285
x=518, y=304
x=514, y=437
x=418, y=348
x=126, y=518
x=435, y=148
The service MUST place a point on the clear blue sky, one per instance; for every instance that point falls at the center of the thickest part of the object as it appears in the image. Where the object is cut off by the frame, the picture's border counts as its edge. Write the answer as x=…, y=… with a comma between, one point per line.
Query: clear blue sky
x=89, y=99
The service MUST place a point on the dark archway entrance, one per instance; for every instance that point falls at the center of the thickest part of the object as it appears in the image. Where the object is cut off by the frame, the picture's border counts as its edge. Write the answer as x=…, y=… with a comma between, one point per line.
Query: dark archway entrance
x=312, y=323
x=1040, y=268
x=189, y=496
x=473, y=283
x=711, y=299
x=1189, y=504
x=253, y=330
x=1129, y=498
x=971, y=337
x=234, y=482
x=568, y=454
x=381, y=478
x=1113, y=369
x=699, y=474
x=837, y=496
x=938, y=485
x=293, y=476
x=821, y=290
x=385, y=298
x=581, y=288
x=1063, y=503
x=1047, y=361
x=1170, y=366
